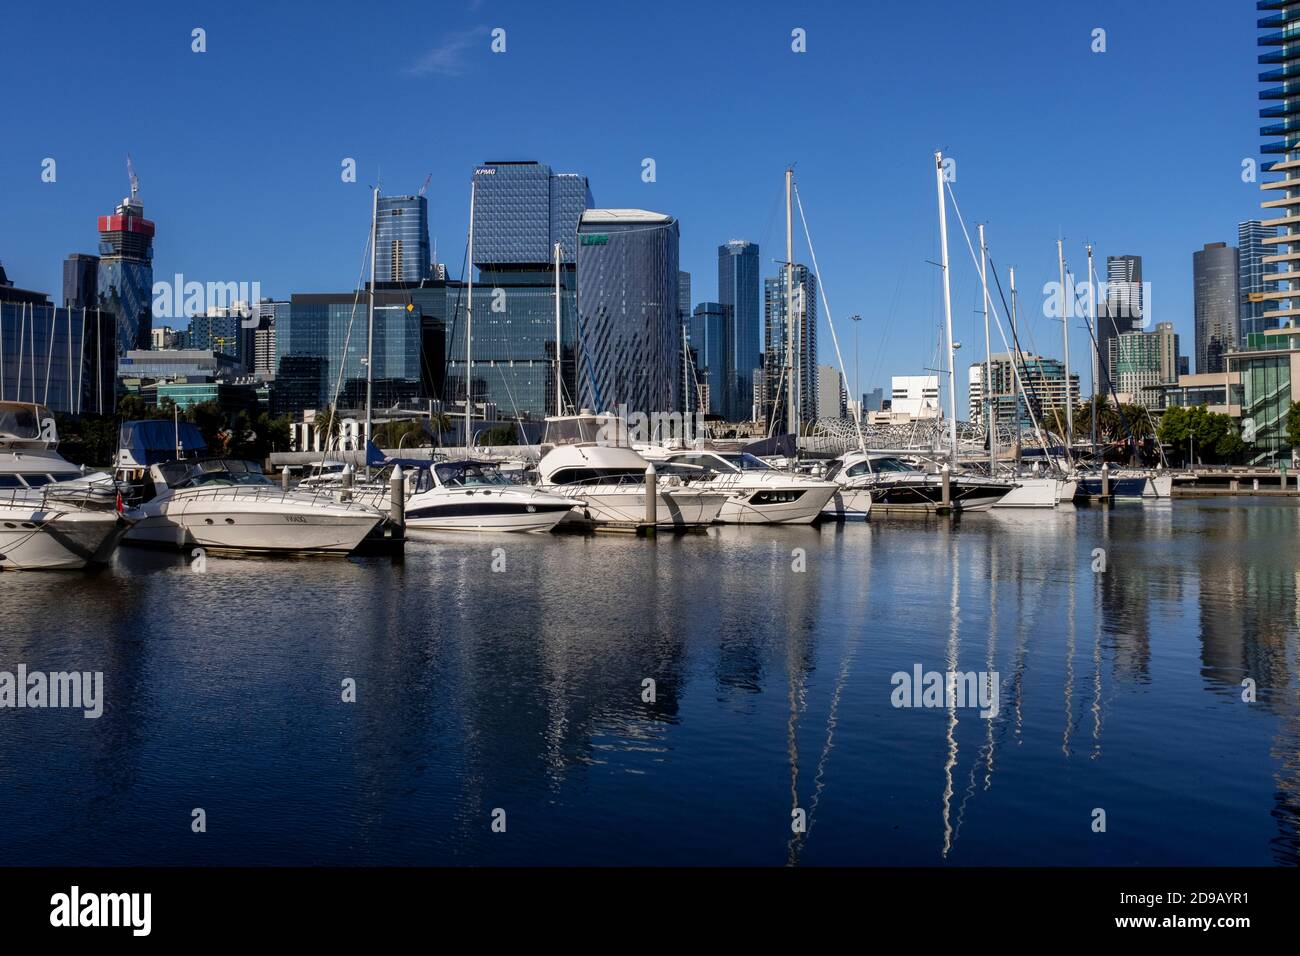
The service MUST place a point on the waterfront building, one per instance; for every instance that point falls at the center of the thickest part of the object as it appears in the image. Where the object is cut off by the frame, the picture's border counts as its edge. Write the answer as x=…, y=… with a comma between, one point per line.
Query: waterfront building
x=1280, y=109
x=873, y=400
x=775, y=329
x=739, y=271
x=62, y=358
x=916, y=396
x=125, y=271
x=1252, y=271
x=628, y=324
x=220, y=330
x=264, y=355
x=1214, y=276
x=402, y=240
x=199, y=365
x=684, y=315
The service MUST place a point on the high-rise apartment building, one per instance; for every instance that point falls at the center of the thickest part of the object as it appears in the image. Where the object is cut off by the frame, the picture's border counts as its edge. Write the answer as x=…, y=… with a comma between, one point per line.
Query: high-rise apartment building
x=125, y=277
x=1252, y=270
x=739, y=271
x=775, y=352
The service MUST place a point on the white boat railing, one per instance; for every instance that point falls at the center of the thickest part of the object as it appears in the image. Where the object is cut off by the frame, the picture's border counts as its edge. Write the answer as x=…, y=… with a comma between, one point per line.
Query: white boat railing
x=270, y=493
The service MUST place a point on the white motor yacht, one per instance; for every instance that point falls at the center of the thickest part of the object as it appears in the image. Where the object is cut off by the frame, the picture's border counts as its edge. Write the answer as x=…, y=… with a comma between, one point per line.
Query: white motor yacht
x=227, y=505
x=474, y=495
x=52, y=517
x=892, y=485
x=588, y=459
x=756, y=492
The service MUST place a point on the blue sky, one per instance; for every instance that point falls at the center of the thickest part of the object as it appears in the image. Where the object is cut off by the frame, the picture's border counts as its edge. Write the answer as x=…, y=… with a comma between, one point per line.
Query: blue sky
x=1137, y=149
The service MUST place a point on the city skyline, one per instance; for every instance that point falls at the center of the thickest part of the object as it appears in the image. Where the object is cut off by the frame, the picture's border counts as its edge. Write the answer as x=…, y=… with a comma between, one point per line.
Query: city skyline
x=868, y=197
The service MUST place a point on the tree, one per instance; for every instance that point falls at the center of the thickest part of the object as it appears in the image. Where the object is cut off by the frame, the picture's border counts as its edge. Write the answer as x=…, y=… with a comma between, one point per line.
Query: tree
x=1293, y=425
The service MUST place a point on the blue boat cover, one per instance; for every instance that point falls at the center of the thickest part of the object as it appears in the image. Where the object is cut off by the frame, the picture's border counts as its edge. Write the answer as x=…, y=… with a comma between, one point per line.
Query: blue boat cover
x=153, y=442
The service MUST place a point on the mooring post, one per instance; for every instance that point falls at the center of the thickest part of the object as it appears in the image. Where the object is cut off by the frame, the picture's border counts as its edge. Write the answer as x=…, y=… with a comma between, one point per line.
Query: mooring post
x=651, y=499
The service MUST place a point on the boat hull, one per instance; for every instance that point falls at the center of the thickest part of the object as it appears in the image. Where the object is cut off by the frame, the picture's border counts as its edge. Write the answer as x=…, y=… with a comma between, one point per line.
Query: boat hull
x=1031, y=493
x=847, y=504
x=675, y=509
x=791, y=504
x=243, y=527
x=57, y=541
x=500, y=516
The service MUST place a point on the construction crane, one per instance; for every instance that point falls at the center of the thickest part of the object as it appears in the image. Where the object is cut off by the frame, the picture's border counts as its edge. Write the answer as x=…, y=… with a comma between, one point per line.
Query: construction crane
x=135, y=180
x=425, y=188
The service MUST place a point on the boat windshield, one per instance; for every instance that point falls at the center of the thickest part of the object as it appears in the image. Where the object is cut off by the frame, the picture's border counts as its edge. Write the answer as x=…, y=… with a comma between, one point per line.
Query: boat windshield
x=744, y=461
x=890, y=464
x=464, y=474
x=21, y=421
x=586, y=429
x=213, y=472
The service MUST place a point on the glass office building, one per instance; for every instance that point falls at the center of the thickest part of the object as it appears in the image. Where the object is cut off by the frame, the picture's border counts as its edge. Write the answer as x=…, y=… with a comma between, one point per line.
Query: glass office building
x=707, y=331
x=125, y=279
x=64, y=359
x=739, y=286
x=333, y=328
x=521, y=209
x=629, y=331
x=1252, y=271
x=402, y=240
x=513, y=341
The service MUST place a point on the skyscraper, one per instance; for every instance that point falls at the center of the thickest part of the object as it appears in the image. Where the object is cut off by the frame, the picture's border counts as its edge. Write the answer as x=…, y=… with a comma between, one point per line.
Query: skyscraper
x=521, y=209
x=628, y=323
x=1122, y=309
x=402, y=239
x=738, y=287
x=774, y=345
x=1281, y=62
x=707, y=338
x=125, y=281
x=687, y=385
x=1252, y=269
x=80, y=281
x=1214, y=277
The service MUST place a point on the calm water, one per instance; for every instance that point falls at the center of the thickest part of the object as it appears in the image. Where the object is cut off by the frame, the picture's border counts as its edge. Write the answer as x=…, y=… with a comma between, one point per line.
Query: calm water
x=522, y=690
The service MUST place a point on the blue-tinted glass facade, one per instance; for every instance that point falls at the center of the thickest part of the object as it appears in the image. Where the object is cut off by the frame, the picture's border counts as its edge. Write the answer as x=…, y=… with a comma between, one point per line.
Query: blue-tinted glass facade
x=707, y=327
x=402, y=239
x=81, y=281
x=629, y=330
x=64, y=359
x=513, y=341
x=1252, y=270
x=332, y=328
x=775, y=345
x=125, y=278
x=738, y=287
x=521, y=210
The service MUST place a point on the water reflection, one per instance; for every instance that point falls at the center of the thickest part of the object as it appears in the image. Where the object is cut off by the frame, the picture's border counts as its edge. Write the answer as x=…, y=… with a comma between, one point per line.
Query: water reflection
x=526, y=690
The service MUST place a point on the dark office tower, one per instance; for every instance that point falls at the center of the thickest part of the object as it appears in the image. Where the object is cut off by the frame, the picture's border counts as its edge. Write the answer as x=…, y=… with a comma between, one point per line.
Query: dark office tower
x=739, y=287
x=1214, y=276
x=81, y=281
x=1119, y=310
x=686, y=388
x=775, y=376
x=628, y=324
x=1252, y=272
x=402, y=240
x=707, y=347
x=521, y=210
x=1281, y=62
x=125, y=281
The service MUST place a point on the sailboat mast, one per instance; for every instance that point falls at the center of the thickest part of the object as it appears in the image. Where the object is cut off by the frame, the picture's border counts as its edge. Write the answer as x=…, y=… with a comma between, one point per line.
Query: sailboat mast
x=1096, y=354
x=791, y=393
x=1065, y=331
x=370, y=322
x=990, y=414
x=947, y=305
x=559, y=383
x=469, y=322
